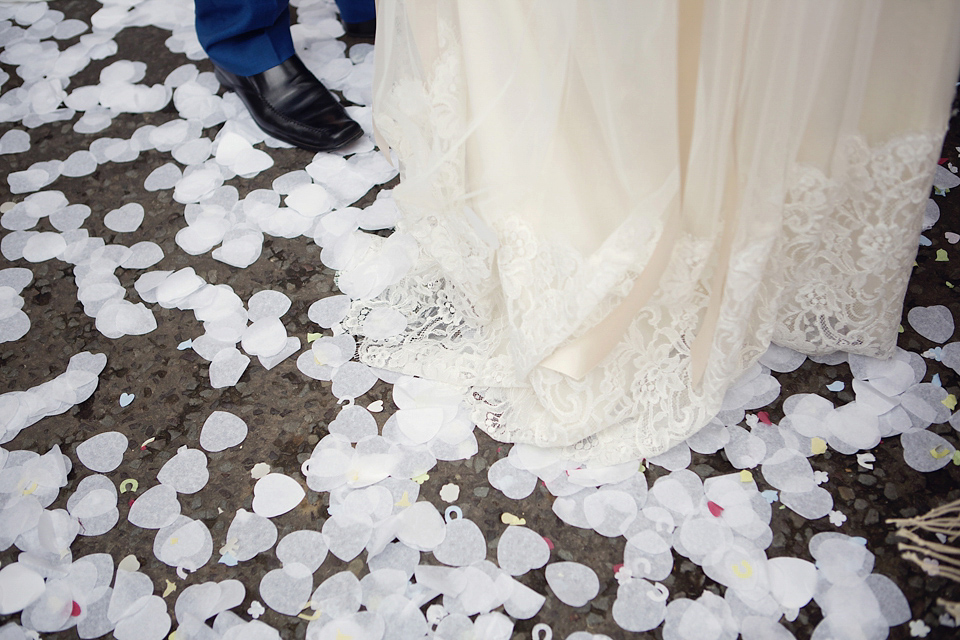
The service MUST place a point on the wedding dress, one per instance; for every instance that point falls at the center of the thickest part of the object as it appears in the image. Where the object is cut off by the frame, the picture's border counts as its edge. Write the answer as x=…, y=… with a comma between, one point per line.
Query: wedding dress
x=620, y=204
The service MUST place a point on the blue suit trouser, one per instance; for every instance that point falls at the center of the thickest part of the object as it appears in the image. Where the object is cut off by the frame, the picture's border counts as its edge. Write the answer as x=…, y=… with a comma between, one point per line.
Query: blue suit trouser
x=247, y=37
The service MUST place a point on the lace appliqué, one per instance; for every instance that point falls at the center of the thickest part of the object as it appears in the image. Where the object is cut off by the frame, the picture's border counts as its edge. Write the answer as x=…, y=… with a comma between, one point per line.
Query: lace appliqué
x=484, y=304
x=848, y=244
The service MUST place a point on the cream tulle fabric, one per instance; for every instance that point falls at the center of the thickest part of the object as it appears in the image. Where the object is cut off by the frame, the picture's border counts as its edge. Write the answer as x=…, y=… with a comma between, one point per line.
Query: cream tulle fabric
x=619, y=204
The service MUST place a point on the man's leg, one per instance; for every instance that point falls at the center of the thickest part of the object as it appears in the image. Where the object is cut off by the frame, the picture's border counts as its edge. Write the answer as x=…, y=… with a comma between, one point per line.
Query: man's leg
x=252, y=52
x=359, y=17
x=245, y=37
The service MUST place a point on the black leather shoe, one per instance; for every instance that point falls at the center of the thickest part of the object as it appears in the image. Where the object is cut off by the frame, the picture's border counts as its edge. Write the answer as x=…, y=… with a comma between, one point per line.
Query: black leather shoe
x=366, y=30
x=289, y=103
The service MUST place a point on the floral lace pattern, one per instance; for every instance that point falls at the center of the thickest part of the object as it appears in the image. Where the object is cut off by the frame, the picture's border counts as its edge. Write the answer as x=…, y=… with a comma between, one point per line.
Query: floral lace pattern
x=849, y=241
x=485, y=305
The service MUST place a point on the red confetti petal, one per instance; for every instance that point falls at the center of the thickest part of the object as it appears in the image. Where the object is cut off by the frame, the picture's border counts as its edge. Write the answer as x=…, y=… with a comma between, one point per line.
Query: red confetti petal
x=943, y=160
x=130, y=504
x=764, y=417
x=715, y=509
x=548, y=541
x=76, y=609
x=616, y=568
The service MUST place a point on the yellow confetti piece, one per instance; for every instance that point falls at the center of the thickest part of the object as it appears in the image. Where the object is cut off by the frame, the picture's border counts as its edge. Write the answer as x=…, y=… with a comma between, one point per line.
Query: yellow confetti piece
x=949, y=284
x=742, y=570
x=950, y=402
x=420, y=479
x=172, y=636
x=746, y=476
x=129, y=485
x=311, y=337
x=818, y=445
x=170, y=589
x=899, y=328
x=956, y=458
x=404, y=500
x=343, y=636
x=310, y=616
x=509, y=518
x=942, y=256
x=174, y=540
x=33, y=487
x=939, y=451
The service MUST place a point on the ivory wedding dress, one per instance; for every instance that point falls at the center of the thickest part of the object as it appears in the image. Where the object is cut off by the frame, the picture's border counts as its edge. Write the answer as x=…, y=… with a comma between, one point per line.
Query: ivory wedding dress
x=620, y=204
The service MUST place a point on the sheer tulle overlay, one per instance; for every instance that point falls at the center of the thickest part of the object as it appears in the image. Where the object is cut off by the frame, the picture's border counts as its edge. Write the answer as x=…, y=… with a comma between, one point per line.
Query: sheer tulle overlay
x=619, y=205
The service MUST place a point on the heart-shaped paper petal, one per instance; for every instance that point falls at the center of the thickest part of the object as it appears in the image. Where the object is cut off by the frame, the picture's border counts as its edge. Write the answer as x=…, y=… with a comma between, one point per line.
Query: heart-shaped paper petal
x=275, y=494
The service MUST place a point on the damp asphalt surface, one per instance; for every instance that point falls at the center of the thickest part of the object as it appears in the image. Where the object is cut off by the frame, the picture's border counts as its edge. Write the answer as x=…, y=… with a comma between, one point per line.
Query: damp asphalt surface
x=287, y=412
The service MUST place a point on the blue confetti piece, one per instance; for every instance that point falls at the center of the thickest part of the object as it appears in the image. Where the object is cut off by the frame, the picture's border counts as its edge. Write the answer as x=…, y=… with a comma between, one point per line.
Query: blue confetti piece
x=936, y=380
x=770, y=495
x=925, y=241
x=228, y=560
x=836, y=386
x=186, y=344
x=126, y=399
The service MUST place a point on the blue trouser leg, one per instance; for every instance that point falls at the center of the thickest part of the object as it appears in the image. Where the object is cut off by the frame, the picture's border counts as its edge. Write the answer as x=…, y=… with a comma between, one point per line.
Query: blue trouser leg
x=356, y=11
x=245, y=37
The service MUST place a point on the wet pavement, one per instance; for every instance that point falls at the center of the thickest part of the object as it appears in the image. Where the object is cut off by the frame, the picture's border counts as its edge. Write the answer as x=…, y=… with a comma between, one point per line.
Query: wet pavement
x=288, y=413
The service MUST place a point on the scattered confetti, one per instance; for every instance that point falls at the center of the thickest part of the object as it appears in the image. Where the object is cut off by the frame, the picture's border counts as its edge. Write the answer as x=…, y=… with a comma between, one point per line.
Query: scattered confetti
x=818, y=445
x=449, y=492
x=371, y=469
x=714, y=508
x=276, y=494
x=103, y=452
x=919, y=629
x=509, y=518
x=222, y=430
x=259, y=470
x=837, y=518
x=934, y=323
